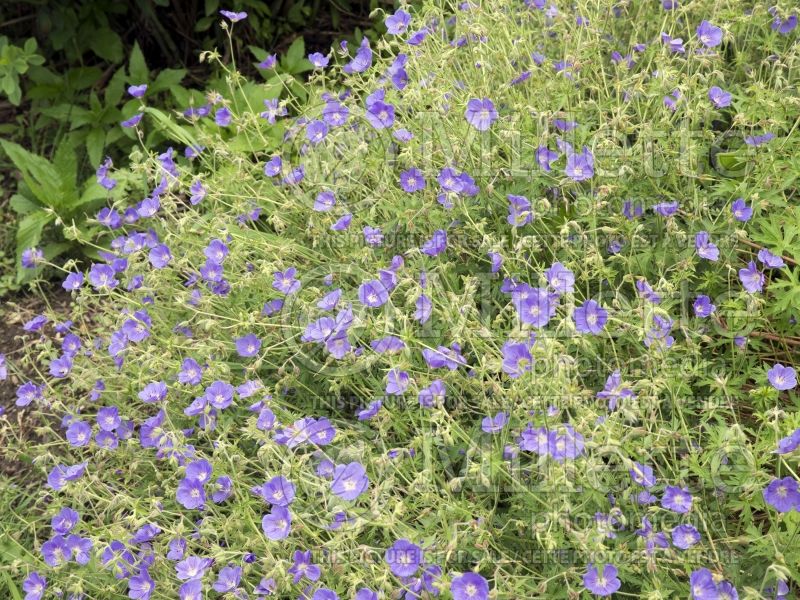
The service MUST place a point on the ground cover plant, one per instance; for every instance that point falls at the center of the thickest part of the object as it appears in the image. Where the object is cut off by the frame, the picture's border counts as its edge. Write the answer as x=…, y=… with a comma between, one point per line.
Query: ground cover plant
x=503, y=310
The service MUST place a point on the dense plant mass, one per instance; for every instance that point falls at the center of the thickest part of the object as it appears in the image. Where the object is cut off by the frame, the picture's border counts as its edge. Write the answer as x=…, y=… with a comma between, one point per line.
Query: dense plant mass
x=501, y=311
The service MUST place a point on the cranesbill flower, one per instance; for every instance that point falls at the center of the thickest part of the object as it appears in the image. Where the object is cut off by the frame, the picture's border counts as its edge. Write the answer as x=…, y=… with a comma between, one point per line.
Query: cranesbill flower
x=233, y=15
x=228, y=579
x=580, y=166
x=666, y=209
x=560, y=278
x=535, y=307
x=647, y=292
x=277, y=524
x=285, y=281
x=316, y=131
x=702, y=586
x=517, y=359
x=141, y=585
x=412, y=180
x=64, y=520
x=469, y=586
x=365, y=594
x=719, y=97
x=790, y=443
x=397, y=382
x=397, y=23
x=758, y=140
x=783, y=494
x=437, y=244
x=614, y=391
x=782, y=378
x=741, y=211
x=651, y=538
x=79, y=434
x=349, y=481
x=278, y=491
x=190, y=493
x=519, y=210
x=703, y=307
x=72, y=282
x=705, y=247
x=108, y=418
x=34, y=586
x=248, y=345
x=710, y=35
x=379, y=114
x=544, y=157
x=362, y=60
x=752, y=279
x=342, y=223
x=102, y=174
x=677, y=499
x=319, y=60
x=373, y=293
x=303, y=567
x=223, y=116
x=404, y=558
x=55, y=551
x=535, y=439
x=191, y=590
x=602, y=582
x=770, y=260
x=480, y=113
x=160, y=256
x=590, y=317
x=494, y=424
x=433, y=395
x=102, y=277
x=685, y=536
x=192, y=567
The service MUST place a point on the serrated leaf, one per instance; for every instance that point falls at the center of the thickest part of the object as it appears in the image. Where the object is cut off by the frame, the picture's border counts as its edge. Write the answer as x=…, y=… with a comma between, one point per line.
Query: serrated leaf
x=95, y=144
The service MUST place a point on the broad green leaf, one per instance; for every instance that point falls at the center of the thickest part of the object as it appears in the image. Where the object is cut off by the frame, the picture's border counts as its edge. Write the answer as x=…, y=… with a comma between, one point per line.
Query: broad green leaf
x=39, y=175
x=137, y=67
x=22, y=205
x=95, y=144
x=29, y=234
x=107, y=44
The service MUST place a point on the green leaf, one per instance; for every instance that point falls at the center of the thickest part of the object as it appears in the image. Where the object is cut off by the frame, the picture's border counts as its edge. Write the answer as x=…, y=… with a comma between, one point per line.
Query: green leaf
x=167, y=79
x=29, y=234
x=173, y=130
x=95, y=144
x=107, y=45
x=22, y=205
x=137, y=67
x=115, y=88
x=39, y=175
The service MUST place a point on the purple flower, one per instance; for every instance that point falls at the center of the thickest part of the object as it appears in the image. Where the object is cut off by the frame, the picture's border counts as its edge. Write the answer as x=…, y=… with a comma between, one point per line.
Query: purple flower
x=191, y=590
x=519, y=210
x=651, y=538
x=108, y=418
x=72, y=282
x=560, y=278
x=677, y=499
x=277, y=524
x=64, y=520
x=228, y=579
x=602, y=583
x=137, y=91
x=192, y=567
x=544, y=157
x=379, y=114
x=614, y=390
x=789, y=443
x=373, y=293
x=480, y=113
x=397, y=382
x=160, y=256
x=536, y=306
x=719, y=97
x=710, y=35
x=102, y=277
x=758, y=140
x=643, y=475
x=319, y=60
x=702, y=586
x=269, y=62
x=782, y=378
x=373, y=236
x=349, y=481
x=784, y=27
x=248, y=345
x=223, y=116
x=34, y=586
x=233, y=16
x=685, y=536
x=517, y=359
x=469, y=586
x=278, y=491
x=494, y=424
x=783, y=494
x=316, y=131
x=703, y=307
x=705, y=247
x=141, y=586
x=397, y=23
x=79, y=434
x=412, y=180
x=55, y=551
x=741, y=211
x=303, y=567
x=362, y=60
x=219, y=394
x=580, y=166
x=590, y=317
x=190, y=494
x=752, y=279
x=433, y=395
x=770, y=260
x=404, y=558
x=285, y=281
x=666, y=209
x=437, y=244
x=497, y=261
x=191, y=372
x=102, y=173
